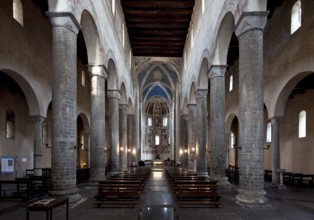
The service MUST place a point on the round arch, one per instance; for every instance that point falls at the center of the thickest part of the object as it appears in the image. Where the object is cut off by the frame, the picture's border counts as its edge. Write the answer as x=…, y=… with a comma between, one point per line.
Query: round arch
x=31, y=97
x=226, y=28
x=192, y=97
x=203, y=75
x=123, y=98
x=91, y=37
x=281, y=102
x=130, y=107
x=112, y=76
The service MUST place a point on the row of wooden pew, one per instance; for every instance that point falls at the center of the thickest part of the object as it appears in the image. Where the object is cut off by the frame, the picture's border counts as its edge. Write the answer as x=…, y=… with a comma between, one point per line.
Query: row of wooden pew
x=24, y=188
x=189, y=189
x=122, y=189
x=293, y=179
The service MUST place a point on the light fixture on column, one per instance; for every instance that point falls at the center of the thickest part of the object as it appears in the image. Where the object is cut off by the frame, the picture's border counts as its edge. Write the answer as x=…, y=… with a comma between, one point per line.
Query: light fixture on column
x=129, y=150
x=193, y=150
x=185, y=151
x=133, y=151
x=181, y=152
x=121, y=149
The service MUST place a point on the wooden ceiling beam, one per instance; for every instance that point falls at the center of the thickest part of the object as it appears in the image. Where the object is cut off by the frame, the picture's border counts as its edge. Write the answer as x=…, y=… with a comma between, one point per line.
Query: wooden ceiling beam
x=157, y=4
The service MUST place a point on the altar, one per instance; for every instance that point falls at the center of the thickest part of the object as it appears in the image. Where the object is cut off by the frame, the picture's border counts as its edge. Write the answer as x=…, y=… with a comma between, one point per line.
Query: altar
x=158, y=163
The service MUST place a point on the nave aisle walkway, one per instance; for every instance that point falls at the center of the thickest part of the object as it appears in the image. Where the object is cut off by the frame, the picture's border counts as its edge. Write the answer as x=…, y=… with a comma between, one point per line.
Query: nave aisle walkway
x=157, y=203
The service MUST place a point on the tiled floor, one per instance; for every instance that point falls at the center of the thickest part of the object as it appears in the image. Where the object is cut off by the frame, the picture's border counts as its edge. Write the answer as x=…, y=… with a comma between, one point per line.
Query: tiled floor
x=157, y=203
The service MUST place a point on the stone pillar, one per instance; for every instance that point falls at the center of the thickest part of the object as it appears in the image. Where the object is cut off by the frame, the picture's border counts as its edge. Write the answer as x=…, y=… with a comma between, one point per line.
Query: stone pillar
x=64, y=102
x=184, y=141
x=97, y=138
x=275, y=148
x=219, y=147
x=201, y=108
x=192, y=136
x=38, y=140
x=123, y=111
x=130, y=129
x=114, y=98
x=251, y=107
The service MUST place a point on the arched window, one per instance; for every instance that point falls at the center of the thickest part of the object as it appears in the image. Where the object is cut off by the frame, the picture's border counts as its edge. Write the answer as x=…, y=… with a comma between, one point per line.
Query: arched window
x=203, y=6
x=268, y=132
x=83, y=79
x=302, y=124
x=44, y=127
x=149, y=121
x=10, y=124
x=296, y=14
x=232, y=140
x=123, y=35
x=157, y=140
x=165, y=121
x=113, y=6
x=18, y=11
x=231, y=83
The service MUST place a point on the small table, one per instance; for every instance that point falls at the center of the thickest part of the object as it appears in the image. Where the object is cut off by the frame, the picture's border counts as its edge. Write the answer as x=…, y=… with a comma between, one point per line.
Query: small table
x=47, y=205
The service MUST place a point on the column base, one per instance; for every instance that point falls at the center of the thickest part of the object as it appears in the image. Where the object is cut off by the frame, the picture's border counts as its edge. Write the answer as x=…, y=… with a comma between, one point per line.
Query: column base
x=281, y=186
x=205, y=174
x=72, y=194
x=251, y=196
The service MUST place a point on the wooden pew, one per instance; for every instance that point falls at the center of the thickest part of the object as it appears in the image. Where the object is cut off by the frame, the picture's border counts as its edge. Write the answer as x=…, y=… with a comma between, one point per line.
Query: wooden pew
x=118, y=194
x=194, y=194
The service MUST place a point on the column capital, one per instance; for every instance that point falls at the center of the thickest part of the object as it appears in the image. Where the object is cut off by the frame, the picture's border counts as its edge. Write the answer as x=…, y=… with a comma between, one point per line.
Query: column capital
x=185, y=116
x=113, y=94
x=276, y=120
x=201, y=93
x=38, y=118
x=123, y=106
x=97, y=70
x=191, y=106
x=217, y=71
x=64, y=19
x=255, y=20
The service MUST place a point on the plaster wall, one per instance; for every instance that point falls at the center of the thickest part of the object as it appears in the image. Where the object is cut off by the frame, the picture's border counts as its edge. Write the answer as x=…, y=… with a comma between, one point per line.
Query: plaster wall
x=297, y=153
x=22, y=146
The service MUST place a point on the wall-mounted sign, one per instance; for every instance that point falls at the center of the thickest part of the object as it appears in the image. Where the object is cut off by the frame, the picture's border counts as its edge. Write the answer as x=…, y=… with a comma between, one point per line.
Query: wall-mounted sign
x=7, y=164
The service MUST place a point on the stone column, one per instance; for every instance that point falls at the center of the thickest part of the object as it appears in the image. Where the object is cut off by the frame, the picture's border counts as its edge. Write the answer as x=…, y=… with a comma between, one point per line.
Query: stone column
x=64, y=102
x=38, y=140
x=192, y=136
x=97, y=135
x=275, y=148
x=184, y=141
x=219, y=147
x=114, y=98
x=251, y=107
x=123, y=111
x=130, y=129
x=201, y=108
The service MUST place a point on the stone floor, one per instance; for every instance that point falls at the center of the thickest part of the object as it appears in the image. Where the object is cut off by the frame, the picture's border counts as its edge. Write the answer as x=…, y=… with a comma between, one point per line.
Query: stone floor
x=157, y=203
